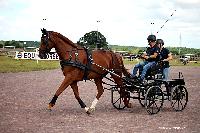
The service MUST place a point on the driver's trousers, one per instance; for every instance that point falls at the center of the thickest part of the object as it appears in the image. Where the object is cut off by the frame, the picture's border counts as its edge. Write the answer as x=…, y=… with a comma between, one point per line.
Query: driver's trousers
x=142, y=66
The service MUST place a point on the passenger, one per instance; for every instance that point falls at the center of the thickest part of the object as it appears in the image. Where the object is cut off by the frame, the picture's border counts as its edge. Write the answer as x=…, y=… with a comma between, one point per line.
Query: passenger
x=150, y=57
x=165, y=56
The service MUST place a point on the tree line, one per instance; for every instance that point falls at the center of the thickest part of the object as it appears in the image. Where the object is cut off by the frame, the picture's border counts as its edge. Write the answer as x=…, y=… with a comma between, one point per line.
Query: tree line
x=94, y=38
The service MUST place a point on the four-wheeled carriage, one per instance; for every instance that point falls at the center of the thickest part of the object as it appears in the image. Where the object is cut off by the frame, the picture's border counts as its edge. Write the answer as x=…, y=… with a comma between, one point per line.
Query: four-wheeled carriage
x=153, y=94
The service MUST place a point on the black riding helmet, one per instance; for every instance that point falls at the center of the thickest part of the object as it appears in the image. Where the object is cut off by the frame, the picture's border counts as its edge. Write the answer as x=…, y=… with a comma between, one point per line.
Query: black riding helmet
x=159, y=41
x=151, y=38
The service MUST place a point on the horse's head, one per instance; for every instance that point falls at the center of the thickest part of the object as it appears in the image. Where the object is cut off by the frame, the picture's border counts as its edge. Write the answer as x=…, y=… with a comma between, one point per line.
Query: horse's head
x=46, y=44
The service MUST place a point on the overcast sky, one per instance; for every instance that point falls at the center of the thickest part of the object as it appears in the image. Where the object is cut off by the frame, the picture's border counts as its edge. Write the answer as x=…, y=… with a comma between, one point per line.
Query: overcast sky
x=122, y=22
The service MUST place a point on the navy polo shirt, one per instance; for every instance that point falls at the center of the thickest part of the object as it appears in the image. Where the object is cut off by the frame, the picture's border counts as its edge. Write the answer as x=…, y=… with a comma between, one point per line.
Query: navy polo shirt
x=164, y=55
x=151, y=51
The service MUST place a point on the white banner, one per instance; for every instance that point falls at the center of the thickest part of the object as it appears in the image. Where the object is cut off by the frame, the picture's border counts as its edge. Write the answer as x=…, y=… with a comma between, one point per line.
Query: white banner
x=34, y=56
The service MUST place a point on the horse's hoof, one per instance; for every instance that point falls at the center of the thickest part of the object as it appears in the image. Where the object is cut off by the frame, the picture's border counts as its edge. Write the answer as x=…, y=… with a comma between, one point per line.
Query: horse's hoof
x=90, y=110
x=50, y=106
x=129, y=105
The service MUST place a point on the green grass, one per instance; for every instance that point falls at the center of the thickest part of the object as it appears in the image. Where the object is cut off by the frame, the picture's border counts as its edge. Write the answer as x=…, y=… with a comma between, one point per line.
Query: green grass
x=8, y=64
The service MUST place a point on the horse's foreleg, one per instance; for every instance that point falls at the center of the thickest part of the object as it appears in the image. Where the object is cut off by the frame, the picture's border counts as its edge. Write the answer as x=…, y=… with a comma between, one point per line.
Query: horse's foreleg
x=100, y=91
x=76, y=94
x=66, y=82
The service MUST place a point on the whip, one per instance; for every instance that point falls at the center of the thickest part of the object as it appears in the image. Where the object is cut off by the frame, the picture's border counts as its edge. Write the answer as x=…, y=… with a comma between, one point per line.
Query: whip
x=165, y=22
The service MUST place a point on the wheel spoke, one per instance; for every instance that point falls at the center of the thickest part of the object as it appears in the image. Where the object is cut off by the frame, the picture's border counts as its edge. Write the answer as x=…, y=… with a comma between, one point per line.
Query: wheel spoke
x=181, y=104
x=156, y=105
x=173, y=103
x=117, y=101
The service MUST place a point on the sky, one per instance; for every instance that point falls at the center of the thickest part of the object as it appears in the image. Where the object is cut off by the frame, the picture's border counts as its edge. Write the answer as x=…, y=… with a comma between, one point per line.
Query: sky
x=122, y=22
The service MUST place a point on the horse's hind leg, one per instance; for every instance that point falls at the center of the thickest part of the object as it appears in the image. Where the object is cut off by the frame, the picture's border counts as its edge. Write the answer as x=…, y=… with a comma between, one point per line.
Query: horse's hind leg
x=66, y=82
x=76, y=94
x=100, y=91
x=125, y=95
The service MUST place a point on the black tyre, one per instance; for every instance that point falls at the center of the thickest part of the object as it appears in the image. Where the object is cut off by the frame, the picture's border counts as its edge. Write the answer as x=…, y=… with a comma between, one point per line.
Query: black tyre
x=154, y=99
x=179, y=98
x=117, y=99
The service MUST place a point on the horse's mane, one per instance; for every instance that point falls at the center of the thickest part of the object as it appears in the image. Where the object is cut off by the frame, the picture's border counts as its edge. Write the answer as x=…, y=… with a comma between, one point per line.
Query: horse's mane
x=65, y=39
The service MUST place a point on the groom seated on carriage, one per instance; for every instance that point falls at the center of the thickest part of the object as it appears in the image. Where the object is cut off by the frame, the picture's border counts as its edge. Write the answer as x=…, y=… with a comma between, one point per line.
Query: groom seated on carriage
x=165, y=57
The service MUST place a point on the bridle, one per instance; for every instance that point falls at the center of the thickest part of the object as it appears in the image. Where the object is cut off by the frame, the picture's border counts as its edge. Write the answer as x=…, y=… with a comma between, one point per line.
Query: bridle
x=45, y=39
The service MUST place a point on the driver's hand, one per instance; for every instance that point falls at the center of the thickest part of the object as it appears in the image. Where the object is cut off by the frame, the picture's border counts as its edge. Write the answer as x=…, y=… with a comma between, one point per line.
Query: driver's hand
x=143, y=56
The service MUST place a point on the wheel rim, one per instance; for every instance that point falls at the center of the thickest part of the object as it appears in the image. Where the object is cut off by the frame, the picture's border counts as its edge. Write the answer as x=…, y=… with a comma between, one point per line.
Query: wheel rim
x=179, y=98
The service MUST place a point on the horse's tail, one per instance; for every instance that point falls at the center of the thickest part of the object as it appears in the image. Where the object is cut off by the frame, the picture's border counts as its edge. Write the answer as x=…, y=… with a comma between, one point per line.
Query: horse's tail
x=125, y=72
x=122, y=67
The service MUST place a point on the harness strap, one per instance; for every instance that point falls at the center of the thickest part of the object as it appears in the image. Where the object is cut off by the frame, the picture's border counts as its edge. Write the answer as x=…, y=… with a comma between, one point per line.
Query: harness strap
x=86, y=68
x=72, y=63
x=89, y=63
x=76, y=63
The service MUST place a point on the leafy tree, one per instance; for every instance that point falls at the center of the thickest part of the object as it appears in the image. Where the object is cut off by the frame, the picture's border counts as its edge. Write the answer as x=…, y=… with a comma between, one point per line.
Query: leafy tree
x=175, y=52
x=140, y=51
x=92, y=39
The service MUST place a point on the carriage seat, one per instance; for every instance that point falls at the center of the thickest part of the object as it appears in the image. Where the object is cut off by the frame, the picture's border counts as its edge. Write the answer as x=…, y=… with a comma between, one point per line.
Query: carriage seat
x=155, y=72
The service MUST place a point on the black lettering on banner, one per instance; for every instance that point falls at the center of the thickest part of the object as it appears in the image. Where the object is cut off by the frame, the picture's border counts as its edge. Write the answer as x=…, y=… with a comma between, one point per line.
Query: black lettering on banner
x=53, y=56
x=57, y=57
x=33, y=55
x=25, y=55
x=29, y=55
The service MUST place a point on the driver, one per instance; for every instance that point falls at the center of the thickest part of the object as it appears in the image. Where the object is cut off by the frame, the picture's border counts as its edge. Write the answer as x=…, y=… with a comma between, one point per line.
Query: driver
x=165, y=56
x=150, y=58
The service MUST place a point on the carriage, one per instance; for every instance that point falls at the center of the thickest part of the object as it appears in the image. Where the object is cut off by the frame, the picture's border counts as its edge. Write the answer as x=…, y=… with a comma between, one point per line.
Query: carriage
x=78, y=64
x=153, y=94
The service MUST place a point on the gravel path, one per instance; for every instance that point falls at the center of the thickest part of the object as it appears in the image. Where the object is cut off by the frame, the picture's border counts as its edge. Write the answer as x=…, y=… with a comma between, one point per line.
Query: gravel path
x=24, y=98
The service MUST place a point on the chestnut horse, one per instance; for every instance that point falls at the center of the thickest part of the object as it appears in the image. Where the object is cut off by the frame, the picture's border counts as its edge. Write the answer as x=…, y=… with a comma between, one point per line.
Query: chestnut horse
x=78, y=64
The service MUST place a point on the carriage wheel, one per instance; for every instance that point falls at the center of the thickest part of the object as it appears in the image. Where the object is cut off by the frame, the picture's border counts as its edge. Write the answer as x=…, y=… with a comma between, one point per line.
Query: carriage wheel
x=117, y=99
x=154, y=99
x=141, y=96
x=179, y=98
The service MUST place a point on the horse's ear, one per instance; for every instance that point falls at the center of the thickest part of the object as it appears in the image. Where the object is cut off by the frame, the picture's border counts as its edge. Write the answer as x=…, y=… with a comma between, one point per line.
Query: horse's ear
x=44, y=31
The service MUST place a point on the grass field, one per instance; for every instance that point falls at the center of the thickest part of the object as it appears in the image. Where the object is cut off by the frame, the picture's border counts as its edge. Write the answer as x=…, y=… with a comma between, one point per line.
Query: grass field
x=8, y=64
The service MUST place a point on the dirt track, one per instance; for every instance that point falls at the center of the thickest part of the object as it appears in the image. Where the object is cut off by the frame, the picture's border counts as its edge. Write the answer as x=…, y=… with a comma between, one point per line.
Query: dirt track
x=24, y=98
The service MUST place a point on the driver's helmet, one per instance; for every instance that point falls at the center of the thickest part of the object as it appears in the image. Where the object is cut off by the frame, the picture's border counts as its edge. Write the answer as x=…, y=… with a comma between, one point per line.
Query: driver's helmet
x=159, y=41
x=151, y=38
